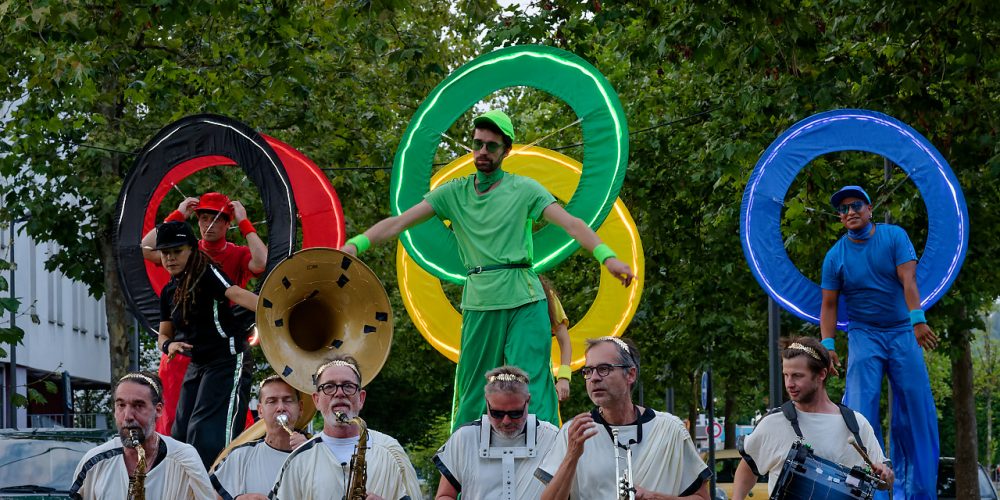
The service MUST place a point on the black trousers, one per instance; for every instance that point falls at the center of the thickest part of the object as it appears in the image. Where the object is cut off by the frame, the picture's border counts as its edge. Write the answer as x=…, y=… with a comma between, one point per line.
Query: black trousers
x=208, y=404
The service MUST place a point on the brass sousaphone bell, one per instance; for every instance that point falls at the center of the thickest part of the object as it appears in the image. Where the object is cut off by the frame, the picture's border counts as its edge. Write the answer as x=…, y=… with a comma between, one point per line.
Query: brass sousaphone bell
x=316, y=304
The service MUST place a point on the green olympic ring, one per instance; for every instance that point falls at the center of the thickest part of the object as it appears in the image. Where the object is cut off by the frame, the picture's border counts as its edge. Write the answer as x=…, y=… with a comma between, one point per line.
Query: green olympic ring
x=562, y=74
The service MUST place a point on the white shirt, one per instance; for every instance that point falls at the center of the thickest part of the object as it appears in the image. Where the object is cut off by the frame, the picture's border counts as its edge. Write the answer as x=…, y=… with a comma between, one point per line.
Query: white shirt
x=462, y=462
x=663, y=460
x=101, y=473
x=249, y=468
x=826, y=433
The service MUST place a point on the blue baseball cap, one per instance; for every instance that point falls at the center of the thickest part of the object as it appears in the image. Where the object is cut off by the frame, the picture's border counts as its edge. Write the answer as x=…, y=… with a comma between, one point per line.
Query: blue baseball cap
x=849, y=192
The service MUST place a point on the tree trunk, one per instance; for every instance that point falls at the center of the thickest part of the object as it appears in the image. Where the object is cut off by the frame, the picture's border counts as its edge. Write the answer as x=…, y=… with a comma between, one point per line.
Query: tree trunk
x=693, y=407
x=730, y=409
x=966, y=433
x=118, y=316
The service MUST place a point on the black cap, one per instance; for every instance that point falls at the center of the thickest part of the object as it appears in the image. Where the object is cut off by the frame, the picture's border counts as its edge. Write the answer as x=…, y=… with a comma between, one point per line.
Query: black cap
x=174, y=234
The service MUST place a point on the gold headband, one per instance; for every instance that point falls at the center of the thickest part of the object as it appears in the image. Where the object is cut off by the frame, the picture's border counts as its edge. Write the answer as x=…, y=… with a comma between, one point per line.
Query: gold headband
x=621, y=343
x=808, y=350
x=139, y=376
x=337, y=362
x=507, y=377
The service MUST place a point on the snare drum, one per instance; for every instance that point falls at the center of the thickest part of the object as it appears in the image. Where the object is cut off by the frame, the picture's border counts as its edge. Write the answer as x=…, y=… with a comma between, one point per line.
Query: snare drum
x=806, y=476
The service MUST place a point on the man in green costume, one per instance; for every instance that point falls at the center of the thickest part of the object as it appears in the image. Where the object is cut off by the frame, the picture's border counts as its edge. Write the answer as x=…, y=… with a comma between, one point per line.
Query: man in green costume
x=505, y=317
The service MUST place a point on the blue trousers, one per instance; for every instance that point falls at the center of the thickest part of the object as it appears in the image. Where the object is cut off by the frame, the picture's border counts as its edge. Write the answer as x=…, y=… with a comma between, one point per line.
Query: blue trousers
x=872, y=354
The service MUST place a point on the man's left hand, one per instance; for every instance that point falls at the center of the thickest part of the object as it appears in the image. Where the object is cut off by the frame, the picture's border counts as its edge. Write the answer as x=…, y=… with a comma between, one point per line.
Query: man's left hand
x=925, y=336
x=296, y=439
x=619, y=270
x=239, y=211
x=884, y=472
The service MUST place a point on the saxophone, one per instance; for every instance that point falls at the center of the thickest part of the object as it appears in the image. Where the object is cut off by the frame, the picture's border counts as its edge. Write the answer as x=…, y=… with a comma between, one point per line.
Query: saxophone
x=137, y=483
x=357, y=489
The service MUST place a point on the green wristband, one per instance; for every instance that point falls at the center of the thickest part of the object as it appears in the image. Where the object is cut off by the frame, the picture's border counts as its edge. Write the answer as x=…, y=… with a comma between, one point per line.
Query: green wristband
x=603, y=252
x=360, y=242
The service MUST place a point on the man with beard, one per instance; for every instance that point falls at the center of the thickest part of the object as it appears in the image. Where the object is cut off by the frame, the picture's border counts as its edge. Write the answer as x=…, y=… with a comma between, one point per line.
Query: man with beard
x=239, y=263
x=320, y=468
x=495, y=457
x=584, y=458
x=818, y=422
x=505, y=318
x=173, y=469
x=249, y=471
x=874, y=267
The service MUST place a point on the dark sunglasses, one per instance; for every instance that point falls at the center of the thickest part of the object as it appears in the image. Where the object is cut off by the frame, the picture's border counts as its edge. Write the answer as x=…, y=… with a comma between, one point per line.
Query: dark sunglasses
x=603, y=369
x=854, y=205
x=330, y=388
x=491, y=146
x=513, y=414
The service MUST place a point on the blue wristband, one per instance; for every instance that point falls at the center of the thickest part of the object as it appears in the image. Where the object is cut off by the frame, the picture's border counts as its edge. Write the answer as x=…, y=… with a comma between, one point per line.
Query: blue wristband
x=917, y=317
x=828, y=344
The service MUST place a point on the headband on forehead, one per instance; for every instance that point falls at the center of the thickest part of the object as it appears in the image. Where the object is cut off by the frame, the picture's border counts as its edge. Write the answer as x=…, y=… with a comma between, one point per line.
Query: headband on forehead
x=337, y=362
x=808, y=350
x=139, y=376
x=507, y=377
x=621, y=343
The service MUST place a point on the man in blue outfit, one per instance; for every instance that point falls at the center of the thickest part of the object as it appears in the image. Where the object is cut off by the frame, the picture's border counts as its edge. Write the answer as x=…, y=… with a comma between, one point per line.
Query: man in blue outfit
x=874, y=267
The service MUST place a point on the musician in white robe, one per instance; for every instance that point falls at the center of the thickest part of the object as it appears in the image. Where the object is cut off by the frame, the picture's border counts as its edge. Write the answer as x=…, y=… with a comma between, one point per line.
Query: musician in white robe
x=320, y=468
x=495, y=457
x=582, y=463
x=173, y=469
x=250, y=470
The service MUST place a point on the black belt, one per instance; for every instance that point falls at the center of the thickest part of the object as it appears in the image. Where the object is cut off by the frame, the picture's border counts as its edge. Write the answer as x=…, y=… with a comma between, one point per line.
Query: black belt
x=482, y=269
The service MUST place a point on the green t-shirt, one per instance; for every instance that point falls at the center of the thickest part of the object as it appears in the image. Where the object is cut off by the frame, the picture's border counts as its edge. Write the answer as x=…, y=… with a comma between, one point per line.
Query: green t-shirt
x=494, y=228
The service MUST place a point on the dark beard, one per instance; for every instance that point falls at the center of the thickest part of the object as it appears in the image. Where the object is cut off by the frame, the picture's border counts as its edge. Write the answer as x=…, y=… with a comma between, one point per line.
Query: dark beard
x=126, y=434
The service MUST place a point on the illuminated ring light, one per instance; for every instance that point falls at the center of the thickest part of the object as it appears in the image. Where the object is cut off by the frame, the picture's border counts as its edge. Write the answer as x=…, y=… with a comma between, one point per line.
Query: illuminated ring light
x=613, y=308
x=198, y=142
x=850, y=130
x=560, y=73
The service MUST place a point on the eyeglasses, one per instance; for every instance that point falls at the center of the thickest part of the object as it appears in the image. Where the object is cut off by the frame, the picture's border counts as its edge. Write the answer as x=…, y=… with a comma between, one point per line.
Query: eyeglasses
x=500, y=414
x=847, y=207
x=603, y=369
x=491, y=146
x=330, y=388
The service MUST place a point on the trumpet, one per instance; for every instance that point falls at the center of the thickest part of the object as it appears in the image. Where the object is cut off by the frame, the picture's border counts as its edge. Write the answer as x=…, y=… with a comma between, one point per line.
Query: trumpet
x=283, y=422
x=623, y=482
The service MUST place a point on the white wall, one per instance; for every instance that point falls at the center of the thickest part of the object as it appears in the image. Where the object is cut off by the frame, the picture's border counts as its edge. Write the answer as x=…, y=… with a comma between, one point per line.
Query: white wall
x=71, y=333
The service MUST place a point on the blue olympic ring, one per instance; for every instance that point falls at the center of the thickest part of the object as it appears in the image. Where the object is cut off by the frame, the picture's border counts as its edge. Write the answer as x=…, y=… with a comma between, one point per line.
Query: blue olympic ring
x=850, y=130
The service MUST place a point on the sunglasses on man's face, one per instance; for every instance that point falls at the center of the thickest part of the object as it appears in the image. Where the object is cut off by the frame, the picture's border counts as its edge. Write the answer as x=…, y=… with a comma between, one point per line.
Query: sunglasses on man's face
x=513, y=414
x=847, y=207
x=491, y=146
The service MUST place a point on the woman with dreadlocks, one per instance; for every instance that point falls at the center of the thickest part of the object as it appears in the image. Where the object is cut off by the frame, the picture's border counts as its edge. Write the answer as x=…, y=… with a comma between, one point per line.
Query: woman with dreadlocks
x=196, y=319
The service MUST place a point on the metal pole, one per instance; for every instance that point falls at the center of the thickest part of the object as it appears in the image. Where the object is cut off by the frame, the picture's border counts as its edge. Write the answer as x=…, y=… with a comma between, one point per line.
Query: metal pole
x=12, y=366
x=710, y=430
x=773, y=355
x=133, y=354
x=670, y=392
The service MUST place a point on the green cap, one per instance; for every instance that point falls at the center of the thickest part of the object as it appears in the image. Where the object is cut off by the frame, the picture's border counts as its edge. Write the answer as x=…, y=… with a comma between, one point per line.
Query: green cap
x=498, y=118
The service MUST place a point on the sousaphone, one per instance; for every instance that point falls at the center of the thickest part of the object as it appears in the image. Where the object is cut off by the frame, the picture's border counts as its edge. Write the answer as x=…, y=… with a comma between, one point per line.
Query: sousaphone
x=316, y=304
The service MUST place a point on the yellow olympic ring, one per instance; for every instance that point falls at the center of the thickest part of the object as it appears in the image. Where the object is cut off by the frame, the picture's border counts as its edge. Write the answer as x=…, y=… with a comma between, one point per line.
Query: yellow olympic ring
x=441, y=324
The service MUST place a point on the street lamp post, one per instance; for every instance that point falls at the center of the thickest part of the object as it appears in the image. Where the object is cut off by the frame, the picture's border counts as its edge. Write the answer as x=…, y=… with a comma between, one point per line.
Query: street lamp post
x=12, y=365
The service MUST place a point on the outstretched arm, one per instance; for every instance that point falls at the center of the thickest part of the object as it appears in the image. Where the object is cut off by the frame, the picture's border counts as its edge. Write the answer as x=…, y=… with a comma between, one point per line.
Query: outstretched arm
x=587, y=238
x=390, y=227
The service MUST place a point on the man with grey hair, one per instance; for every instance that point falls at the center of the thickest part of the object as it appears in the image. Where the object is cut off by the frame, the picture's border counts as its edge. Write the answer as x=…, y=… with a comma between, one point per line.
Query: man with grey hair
x=320, y=468
x=618, y=435
x=495, y=456
x=172, y=469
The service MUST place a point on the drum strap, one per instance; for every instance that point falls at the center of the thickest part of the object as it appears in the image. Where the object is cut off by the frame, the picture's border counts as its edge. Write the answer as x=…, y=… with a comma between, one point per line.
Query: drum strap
x=788, y=409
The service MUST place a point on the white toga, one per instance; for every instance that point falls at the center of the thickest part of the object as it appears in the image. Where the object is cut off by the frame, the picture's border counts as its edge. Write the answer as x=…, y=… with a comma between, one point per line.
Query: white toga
x=313, y=472
x=101, y=473
x=663, y=460
x=462, y=463
x=768, y=445
x=249, y=468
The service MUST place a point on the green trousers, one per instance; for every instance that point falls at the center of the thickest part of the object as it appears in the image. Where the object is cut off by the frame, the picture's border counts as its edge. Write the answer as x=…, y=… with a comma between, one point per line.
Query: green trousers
x=521, y=337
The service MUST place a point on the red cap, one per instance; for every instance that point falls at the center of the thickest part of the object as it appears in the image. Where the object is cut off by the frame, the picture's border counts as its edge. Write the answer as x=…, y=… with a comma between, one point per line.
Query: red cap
x=214, y=202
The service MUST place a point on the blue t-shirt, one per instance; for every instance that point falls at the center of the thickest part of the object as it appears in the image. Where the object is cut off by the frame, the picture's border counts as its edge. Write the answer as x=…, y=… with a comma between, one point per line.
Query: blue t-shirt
x=865, y=274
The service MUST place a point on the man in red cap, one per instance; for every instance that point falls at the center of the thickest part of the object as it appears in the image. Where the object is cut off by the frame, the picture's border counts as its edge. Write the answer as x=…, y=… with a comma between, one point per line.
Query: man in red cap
x=239, y=263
